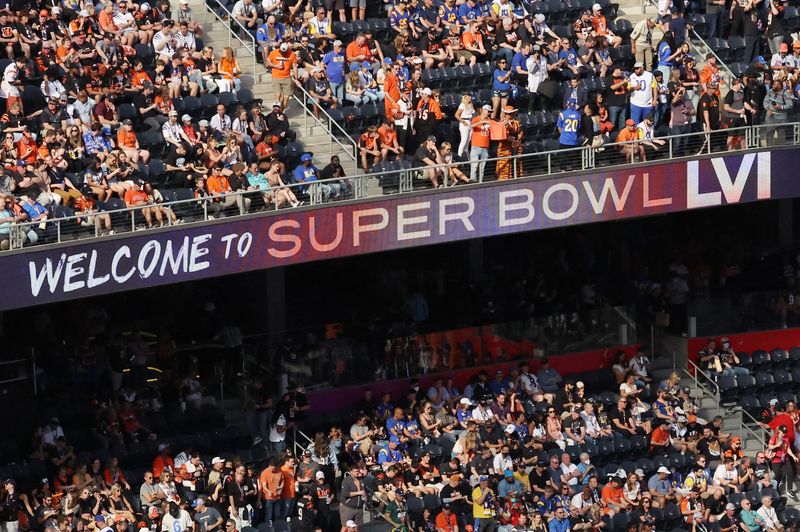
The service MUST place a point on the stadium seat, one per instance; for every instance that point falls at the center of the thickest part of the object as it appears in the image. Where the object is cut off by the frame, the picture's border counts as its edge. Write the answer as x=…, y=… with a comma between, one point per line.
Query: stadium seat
x=727, y=388
x=794, y=357
x=746, y=384
x=780, y=359
x=761, y=360
x=764, y=382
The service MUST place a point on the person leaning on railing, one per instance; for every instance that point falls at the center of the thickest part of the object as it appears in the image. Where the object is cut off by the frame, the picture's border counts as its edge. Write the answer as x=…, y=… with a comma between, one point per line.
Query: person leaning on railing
x=777, y=105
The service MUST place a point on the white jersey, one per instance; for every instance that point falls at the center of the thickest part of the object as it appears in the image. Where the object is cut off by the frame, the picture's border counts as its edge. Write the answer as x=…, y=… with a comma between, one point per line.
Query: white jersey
x=642, y=89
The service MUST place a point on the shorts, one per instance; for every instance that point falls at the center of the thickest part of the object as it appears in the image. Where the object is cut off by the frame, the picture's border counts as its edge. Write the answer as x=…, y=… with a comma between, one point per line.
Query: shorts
x=346, y=514
x=359, y=3
x=331, y=5
x=283, y=86
x=458, y=54
x=500, y=94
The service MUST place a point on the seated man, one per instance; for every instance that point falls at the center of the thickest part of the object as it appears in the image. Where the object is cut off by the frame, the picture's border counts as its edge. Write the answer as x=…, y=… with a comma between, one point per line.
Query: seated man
x=368, y=147
x=630, y=149
x=427, y=155
x=319, y=90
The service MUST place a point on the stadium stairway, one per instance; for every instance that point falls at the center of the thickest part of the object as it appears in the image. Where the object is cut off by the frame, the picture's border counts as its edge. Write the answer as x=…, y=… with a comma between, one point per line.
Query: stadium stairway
x=310, y=134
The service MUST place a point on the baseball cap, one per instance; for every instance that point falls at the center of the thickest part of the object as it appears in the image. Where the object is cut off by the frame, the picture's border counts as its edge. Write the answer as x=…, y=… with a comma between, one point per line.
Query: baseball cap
x=305, y=157
x=319, y=475
x=351, y=524
x=663, y=469
x=508, y=473
x=217, y=460
x=630, y=122
x=83, y=13
x=171, y=113
x=337, y=42
x=306, y=453
x=198, y=502
x=284, y=46
x=597, y=7
x=127, y=122
x=387, y=60
x=465, y=401
x=773, y=402
x=144, y=7
x=427, y=91
x=638, y=64
x=203, y=123
x=539, y=17
x=487, y=107
x=186, y=118
x=681, y=419
x=399, y=491
x=276, y=104
x=431, y=138
x=730, y=506
x=484, y=478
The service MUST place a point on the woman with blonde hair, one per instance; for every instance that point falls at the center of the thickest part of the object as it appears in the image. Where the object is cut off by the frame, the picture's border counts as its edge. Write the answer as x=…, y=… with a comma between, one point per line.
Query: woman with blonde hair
x=452, y=175
x=232, y=152
x=230, y=70
x=464, y=115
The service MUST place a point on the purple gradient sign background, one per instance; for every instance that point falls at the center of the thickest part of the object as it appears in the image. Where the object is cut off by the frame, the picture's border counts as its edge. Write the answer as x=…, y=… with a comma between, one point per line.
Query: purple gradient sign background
x=339, y=230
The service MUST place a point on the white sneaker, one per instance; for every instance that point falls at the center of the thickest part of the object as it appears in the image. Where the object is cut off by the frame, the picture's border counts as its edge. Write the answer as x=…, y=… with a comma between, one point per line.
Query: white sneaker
x=210, y=217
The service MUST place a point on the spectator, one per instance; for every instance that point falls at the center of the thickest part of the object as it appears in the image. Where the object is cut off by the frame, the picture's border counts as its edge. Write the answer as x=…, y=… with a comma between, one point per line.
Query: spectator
x=642, y=42
x=481, y=138
x=283, y=63
x=644, y=92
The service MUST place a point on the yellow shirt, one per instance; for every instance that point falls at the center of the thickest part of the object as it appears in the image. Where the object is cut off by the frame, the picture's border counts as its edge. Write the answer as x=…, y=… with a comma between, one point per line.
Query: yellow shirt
x=478, y=510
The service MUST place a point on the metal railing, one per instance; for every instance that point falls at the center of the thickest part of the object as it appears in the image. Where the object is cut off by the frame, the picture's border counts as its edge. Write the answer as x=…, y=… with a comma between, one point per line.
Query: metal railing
x=351, y=150
x=708, y=387
x=232, y=34
x=405, y=178
x=745, y=427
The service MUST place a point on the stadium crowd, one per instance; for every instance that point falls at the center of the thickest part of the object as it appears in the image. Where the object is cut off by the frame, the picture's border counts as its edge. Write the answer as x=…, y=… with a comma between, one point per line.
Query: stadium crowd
x=121, y=104
x=516, y=450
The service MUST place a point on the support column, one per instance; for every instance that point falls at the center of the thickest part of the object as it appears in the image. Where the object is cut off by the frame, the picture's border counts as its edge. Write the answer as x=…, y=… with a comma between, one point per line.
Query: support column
x=786, y=223
x=476, y=269
x=276, y=303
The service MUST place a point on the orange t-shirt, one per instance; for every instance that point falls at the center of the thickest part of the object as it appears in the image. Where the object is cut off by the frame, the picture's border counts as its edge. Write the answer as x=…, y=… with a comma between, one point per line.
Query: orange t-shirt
x=288, y=482
x=612, y=494
x=430, y=107
x=442, y=522
x=599, y=24
x=388, y=136
x=139, y=77
x=107, y=21
x=226, y=67
x=27, y=150
x=270, y=481
x=368, y=141
x=627, y=135
x=277, y=57
x=391, y=88
x=132, y=197
x=481, y=134
x=126, y=139
x=471, y=39
x=354, y=50
x=217, y=185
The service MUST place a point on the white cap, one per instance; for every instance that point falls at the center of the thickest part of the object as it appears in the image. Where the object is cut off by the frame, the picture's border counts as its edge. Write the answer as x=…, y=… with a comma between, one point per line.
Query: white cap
x=320, y=474
x=186, y=118
x=682, y=419
x=465, y=401
x=55, y=10
x=639, y=473
x=487, y=107
x=538, y=18
x=579, y=384
x=597, y=7
x=511, y=429
x=663, y=469
x=284, y=46
x=773, y=402
x=351, y=524
x=184, y=2
x=427, y=91
x=83, y=13
x=144, y=6
x=217, y=460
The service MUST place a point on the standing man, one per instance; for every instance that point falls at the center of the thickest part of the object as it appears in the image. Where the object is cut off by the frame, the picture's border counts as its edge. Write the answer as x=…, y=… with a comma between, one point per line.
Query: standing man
x=568, y=124
x=644, y=92
x=708, y=113
x=481, y=137
x=777, y=104
x=9, y=504
x=642, y=42
x=484, y=503
x=283, y=63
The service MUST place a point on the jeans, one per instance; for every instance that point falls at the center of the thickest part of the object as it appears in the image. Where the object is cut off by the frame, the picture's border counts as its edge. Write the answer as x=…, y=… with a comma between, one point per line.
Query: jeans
x=735, y=371
x=638, y=113
x=616, y=115
x=272, y=510
x=338, y=90
x=714, y=24
x=679, y=144
x=504, y=53
x=661, y=113
x=477, y=154
x=752, y=45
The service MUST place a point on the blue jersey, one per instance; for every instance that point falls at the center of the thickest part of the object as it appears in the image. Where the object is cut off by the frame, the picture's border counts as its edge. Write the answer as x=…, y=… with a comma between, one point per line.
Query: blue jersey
x=448, y=15
x=568, y=122
x=664, y=51
x=399, y=21
x=334, y=65
x=519, y=60
x=569, y=55
x=305, y=174
x=466, y=13
x=500, y=85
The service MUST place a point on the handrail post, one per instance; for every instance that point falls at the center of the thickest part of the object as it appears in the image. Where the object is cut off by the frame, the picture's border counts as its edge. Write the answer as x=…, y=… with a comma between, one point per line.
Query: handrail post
x=58, y=231
x=670, y=147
